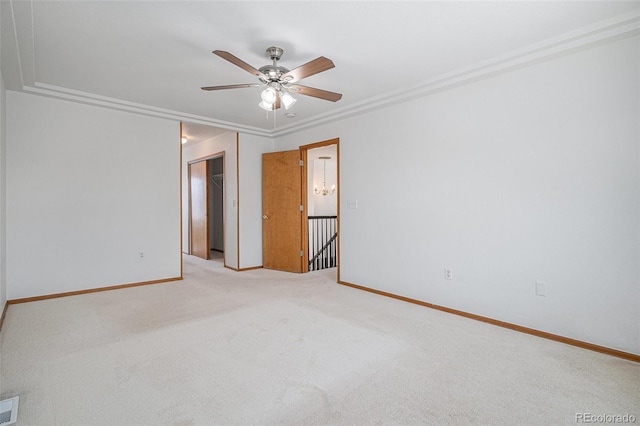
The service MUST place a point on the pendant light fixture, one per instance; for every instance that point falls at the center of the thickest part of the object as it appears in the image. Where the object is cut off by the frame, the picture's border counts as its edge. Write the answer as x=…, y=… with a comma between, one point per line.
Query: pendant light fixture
x=324, y=190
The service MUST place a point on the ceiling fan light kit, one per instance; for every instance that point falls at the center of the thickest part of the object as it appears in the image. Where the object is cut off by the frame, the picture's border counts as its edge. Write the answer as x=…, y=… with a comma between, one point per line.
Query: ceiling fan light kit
x=279, y=80
x=266, y=106
x=287, y=100
x=269, y=95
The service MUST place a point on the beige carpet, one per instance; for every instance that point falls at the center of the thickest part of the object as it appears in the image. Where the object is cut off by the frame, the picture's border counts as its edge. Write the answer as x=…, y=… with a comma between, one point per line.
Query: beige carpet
x=265, y=347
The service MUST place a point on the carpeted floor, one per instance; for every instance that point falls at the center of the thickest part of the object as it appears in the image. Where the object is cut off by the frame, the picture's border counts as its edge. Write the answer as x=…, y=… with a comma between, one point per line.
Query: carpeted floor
x=265, y=347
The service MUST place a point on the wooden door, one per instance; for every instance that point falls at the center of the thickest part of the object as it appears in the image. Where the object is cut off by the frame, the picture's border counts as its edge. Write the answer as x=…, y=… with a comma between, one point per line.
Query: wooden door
x=282, y=218
x=198, y=173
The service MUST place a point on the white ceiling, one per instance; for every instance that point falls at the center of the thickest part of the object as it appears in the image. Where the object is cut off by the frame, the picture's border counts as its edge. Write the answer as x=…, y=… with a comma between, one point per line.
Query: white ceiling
x=196, y=133
x=154, y=56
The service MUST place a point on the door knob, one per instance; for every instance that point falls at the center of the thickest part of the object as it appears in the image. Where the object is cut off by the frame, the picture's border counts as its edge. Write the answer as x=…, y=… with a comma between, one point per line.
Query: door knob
x=264, y=216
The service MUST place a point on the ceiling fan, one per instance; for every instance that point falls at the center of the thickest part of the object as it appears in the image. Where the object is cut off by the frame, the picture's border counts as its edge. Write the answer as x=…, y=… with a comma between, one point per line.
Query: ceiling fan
x=279, y=81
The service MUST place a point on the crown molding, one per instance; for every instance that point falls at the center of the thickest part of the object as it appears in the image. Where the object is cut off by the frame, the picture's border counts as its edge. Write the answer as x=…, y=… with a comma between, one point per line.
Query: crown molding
x=118, y=104
x=22, y=17
x=620, y=27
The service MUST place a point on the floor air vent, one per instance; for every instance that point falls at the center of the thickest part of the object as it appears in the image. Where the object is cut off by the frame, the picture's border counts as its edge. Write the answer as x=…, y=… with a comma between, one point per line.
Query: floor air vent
x=9, y=411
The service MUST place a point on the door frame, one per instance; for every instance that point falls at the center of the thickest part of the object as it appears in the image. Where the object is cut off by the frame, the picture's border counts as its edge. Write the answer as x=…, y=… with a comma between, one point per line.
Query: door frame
x=220, y=154
x=304, y=149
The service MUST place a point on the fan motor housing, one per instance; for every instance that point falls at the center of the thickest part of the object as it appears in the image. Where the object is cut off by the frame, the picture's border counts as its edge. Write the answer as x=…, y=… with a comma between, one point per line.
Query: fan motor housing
x=274, y=72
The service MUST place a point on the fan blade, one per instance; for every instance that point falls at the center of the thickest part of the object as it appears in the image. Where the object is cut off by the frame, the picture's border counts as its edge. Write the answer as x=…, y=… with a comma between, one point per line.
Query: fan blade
x=231, y=86
x=239, y=62
x=310, y=68
x=316, y=93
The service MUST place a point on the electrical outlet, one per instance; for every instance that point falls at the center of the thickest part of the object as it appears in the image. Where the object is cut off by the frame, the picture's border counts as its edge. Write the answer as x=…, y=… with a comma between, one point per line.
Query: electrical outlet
x=448, y=273
x=141, y=256
x=541, y=288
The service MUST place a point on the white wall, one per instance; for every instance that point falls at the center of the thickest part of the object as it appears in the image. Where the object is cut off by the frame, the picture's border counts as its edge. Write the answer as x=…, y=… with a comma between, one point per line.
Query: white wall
x=530, y=175
x=3, y=196
x=224, y=143
x=88, y=189
x=251, y=150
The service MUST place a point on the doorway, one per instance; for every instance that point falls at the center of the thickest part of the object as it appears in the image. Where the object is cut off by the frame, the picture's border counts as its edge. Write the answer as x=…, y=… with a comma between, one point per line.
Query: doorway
x=321, y=212
x=216, y=208
x=206, y=208
x=291, y=242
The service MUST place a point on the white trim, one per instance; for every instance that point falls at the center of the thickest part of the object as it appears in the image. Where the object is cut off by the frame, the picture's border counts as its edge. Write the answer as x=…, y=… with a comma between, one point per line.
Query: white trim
x=92, y=99
x=10, y=405
x=622, y=26
x=626, y=25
